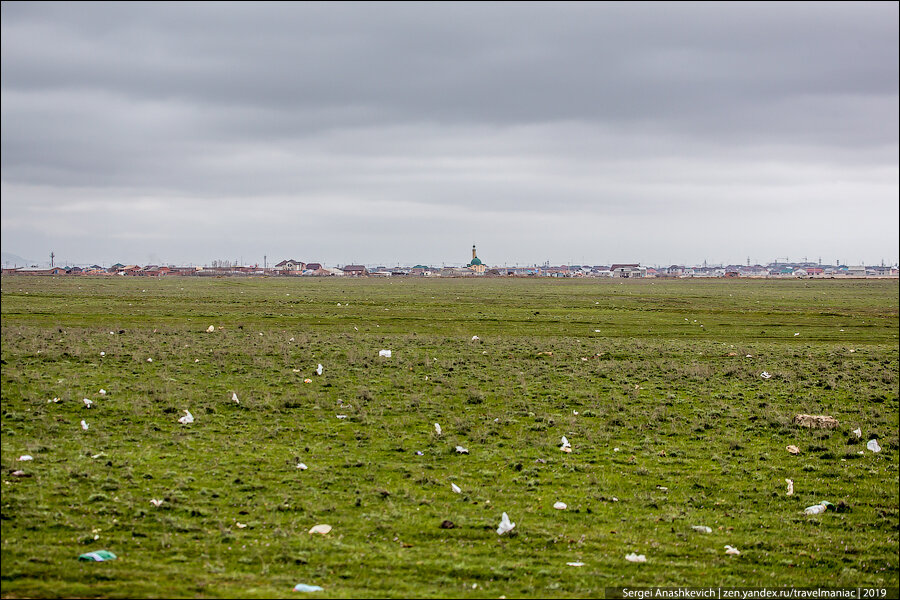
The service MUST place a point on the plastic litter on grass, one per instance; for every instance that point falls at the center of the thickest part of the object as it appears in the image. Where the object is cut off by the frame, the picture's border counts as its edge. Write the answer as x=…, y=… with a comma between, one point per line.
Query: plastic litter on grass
x=505, y=525
x=98, y=556
x=636, y=558
x=320, y=529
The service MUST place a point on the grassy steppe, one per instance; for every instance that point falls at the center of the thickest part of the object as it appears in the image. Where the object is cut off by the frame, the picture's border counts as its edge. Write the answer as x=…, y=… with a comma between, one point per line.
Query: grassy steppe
x=674, y=428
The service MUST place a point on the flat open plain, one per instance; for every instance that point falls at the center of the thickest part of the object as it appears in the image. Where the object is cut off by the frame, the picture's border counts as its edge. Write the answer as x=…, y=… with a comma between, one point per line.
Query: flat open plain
x=656, y=384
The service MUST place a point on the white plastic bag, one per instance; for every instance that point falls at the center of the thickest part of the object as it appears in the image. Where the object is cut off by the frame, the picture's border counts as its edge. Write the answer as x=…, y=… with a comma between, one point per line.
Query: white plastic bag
x=321, y=529
x=505, y=525
x=636, y=558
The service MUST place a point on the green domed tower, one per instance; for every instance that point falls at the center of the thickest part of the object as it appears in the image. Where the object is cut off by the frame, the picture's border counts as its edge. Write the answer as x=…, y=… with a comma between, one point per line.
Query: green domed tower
x=475, y=260
x=476, y=263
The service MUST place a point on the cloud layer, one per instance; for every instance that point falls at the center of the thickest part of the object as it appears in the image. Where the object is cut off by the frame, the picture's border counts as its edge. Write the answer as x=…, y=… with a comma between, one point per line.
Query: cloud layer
x=391, y=133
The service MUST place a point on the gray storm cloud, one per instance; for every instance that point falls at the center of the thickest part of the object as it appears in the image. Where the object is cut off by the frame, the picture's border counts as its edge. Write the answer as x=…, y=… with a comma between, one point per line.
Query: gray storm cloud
x=398, y=133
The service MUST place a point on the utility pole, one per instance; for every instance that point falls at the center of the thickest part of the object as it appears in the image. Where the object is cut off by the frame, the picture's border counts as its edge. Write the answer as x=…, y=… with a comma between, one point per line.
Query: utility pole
x=52, y=256
x=264, y=261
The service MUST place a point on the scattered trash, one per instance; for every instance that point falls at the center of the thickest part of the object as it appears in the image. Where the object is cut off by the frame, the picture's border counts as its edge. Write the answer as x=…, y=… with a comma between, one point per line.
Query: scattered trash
x=341, y=416
x=636, y=558
x=149, y=360
x=731, y=550
x=55, y=400
x=455, y=488
x=419, y=453
x=447, y=525
x=302, y=587
x=817, y=509
x=475, y=338
x=241, y=525
x=25, y=457
x=307, y=380
x=796, y=334
x=187, y=418
x=566, y=446
x=102, y=392
x=210, y=329
x=98, y=556
x=155, y=502
x=873, y=446
x=302, y=466
x=560, y=506
x=575, y=564
x=320, y=369
x=462, y=450
x=858, y=433
x=749, y=356
x=816, y=421
x=615, y=449
x=88, y=402
x=84, y=425
x=790, y=490
x=321, y=529
x=103, y=354
x=701, y=529
x=793, y=449
x=765, y=375
x=20, y=473
x=235, y=398
x=505, y=525
x=437, y=428
x=384, y=353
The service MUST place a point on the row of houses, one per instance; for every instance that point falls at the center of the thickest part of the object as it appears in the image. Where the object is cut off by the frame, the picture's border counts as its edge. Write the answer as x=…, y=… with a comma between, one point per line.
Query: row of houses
x=295, y=268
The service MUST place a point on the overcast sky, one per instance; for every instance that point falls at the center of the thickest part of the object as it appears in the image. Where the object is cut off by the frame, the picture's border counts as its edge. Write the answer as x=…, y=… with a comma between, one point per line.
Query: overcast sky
x=404, y=133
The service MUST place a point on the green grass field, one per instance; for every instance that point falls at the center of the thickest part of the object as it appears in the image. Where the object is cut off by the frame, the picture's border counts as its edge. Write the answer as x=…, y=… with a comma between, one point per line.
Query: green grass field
x=656, y=384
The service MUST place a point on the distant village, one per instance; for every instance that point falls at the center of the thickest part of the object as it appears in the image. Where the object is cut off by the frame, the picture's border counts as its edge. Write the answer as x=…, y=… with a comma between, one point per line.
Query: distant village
x=474, y=268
